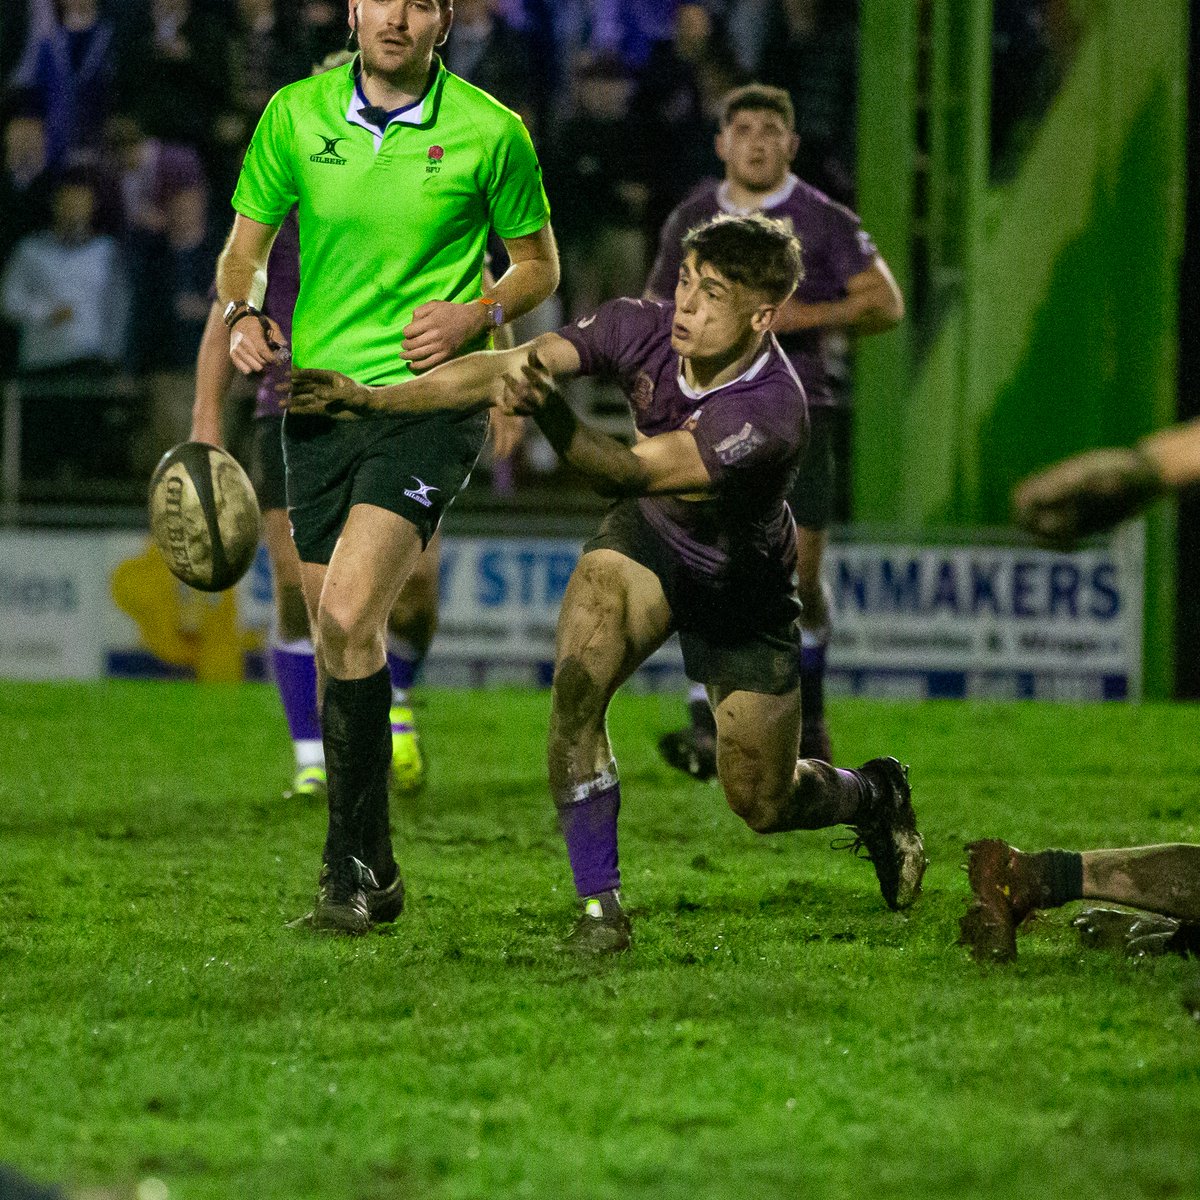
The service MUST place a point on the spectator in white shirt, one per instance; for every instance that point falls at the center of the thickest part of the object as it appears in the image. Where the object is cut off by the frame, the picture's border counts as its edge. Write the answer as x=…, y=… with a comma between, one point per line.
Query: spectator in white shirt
x=64, y=288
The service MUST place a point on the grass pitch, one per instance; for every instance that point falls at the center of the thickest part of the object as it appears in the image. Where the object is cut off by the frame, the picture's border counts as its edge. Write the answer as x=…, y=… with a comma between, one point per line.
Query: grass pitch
x=775, y=1031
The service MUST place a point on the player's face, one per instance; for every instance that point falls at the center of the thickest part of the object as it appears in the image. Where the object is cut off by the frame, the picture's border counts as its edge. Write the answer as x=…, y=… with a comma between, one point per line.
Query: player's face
x=396, y=36
x=757, y=147
x=714, y=316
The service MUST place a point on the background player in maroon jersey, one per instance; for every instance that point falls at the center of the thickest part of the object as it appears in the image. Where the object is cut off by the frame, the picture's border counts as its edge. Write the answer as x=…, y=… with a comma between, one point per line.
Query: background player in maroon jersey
x=699, y=541
x=846, y=287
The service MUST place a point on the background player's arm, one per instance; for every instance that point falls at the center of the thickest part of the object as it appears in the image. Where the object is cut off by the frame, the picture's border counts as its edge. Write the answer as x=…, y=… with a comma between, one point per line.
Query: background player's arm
x=471, y=382
x=872, y=304
x=664, y=464
x=242, y=275
x=214, y=373
x=1176, y=453
x=440, y=328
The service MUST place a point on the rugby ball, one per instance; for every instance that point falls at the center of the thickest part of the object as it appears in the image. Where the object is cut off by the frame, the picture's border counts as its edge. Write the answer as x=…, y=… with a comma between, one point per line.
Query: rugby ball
x=204, y=516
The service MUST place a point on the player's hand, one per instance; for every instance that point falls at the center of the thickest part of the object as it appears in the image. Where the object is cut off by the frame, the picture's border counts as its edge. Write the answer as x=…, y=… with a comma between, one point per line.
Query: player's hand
x=525, y=393
x=325, y=393
x=1086, y=494
x=439, y=329
x=255, y=343
x=507, y=431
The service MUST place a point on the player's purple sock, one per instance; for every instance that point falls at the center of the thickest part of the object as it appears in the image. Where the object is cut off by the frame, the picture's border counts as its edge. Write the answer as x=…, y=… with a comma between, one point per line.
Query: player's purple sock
x=403, y=662
x=587, y=816
x=812, y=680
x=294, y=668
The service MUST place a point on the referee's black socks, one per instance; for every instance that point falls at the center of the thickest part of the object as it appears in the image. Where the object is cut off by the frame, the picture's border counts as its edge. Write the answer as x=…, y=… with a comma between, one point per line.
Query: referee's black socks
x=358, y=748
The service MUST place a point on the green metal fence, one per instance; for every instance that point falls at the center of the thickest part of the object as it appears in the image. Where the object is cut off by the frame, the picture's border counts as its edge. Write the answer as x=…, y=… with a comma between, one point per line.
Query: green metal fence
x=1042, y=298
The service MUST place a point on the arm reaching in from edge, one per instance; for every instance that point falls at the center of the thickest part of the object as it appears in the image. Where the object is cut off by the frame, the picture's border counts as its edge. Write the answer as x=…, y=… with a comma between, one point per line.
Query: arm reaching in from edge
x=470, y=383
x=1094, y=491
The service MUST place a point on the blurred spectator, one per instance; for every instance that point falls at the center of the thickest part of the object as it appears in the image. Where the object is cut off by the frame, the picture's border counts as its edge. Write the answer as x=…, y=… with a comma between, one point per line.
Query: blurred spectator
x=677, y=110
x=175, y=72
x=65, y=288
x=747, y=25
x=15, y=26
x=595, y=182
x=810, y=49
x=1032, y=44
x=69, y=69
x=24, y=178
x=25, y=184
x=264, y=55
x=493, y=54
x=159, y=191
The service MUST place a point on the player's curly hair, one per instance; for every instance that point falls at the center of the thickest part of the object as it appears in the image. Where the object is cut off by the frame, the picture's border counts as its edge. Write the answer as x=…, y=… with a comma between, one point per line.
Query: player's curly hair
x=755, y=251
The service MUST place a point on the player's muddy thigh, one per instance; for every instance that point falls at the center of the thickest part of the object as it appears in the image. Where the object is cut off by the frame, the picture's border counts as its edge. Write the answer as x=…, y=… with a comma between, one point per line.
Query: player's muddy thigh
x=758, y=739
x=352, y=596
x=614, y=616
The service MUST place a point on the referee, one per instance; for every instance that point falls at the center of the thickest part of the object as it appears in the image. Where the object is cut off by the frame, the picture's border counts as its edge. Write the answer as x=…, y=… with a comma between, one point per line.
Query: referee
x=398, y=169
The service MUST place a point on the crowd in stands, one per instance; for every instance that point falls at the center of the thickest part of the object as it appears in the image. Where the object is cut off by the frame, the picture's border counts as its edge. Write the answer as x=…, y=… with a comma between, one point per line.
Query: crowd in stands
x=124, y=122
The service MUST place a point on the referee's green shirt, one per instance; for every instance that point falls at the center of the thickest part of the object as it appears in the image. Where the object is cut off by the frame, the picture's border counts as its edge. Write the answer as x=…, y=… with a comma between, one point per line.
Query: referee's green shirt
x=391, y=220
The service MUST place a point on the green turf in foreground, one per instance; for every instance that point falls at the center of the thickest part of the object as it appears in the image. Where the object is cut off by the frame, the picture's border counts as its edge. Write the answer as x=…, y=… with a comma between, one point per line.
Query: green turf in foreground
x=775, y=1032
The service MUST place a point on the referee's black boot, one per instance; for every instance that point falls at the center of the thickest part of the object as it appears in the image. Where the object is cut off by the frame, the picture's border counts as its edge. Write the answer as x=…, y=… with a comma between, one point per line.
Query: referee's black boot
x=342, y=905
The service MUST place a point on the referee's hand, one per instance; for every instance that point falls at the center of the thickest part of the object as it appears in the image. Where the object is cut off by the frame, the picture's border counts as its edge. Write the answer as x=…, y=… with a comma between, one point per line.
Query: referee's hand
x=256, y=342
x=439, y=329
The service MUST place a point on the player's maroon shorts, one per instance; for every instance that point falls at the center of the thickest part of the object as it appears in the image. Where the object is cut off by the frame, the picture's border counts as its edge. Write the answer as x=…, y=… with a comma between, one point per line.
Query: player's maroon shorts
x=740, y=635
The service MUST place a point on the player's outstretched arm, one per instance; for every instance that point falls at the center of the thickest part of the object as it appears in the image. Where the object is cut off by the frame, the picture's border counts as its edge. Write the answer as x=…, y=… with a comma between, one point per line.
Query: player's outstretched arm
x=472, y=382
x=1087, y=494
x=214, y=372
x=664, y=464
x=1098, y=489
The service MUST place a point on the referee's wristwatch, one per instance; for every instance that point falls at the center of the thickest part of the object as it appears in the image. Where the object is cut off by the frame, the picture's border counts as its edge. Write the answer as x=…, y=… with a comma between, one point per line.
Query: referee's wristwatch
x=235, y=310
x=495, y=310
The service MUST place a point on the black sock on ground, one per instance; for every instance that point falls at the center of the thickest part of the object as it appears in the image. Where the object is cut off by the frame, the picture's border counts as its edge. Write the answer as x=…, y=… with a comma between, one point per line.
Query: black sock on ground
x=1063, y=875
x=355, y=726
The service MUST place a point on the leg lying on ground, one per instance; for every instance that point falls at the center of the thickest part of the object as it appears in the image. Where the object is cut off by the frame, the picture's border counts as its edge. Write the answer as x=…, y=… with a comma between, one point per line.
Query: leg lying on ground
x=1006, y=885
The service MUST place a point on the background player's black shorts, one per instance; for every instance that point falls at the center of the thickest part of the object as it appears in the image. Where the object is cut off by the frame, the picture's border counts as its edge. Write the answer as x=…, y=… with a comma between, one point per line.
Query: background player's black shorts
x=742, y=636
x=412, y=466
x=266, y=469
x=813, y=495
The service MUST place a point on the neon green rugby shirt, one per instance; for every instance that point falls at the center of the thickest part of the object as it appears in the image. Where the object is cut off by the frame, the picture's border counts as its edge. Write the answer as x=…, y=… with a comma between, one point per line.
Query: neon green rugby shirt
x=391, y=220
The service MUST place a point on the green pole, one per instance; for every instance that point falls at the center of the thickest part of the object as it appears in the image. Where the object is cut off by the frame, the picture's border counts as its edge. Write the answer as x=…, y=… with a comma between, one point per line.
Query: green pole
x=886, y=152
x=976, y=161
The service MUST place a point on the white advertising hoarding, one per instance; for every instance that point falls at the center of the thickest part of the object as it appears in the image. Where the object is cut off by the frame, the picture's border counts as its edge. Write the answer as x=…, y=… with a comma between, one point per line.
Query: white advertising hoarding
x=909, y=620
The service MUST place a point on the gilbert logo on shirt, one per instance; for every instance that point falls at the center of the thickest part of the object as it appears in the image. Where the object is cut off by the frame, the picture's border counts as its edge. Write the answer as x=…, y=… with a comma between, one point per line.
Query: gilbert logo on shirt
x=328, y=153
x=434, y=165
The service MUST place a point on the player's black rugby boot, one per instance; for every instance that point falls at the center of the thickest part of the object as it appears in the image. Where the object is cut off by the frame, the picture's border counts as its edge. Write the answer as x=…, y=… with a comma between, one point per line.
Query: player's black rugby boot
x=602, y=928
x=386, y=904
x=684, y=751
x=342, y=905
x=887, y=828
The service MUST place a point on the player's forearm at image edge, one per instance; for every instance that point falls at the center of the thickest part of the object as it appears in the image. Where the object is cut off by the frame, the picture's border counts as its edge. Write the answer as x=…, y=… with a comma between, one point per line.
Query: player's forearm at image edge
x=214, y=372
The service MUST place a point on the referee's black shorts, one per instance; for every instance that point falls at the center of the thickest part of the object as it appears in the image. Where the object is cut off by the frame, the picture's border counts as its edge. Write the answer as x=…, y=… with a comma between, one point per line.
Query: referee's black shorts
x=412, y=466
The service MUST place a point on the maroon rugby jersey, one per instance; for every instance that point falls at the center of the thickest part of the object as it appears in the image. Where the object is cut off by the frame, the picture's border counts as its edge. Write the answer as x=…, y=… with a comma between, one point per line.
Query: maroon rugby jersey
x=751, y=433
x=833, y=247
